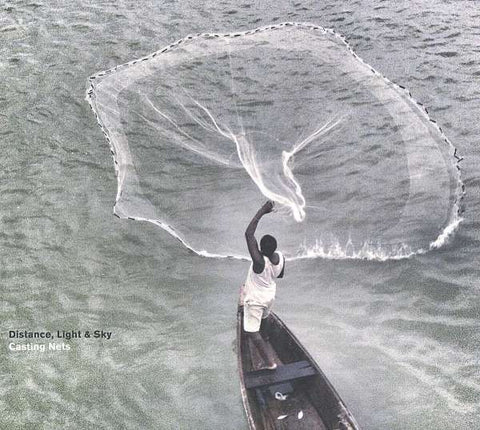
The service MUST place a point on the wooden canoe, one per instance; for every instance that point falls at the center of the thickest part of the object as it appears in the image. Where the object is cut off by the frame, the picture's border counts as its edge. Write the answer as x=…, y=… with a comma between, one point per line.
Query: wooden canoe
x=297, y=395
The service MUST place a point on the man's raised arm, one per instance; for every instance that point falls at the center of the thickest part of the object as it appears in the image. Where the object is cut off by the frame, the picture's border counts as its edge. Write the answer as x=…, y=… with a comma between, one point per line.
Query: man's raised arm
x=257, y=258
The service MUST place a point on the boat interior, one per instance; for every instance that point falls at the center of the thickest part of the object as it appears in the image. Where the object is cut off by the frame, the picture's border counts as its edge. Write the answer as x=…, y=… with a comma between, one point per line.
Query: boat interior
x=296, y=395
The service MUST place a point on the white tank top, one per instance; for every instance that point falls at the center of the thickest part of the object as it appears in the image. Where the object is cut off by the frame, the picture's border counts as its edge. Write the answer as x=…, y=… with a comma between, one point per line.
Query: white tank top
x=260, y=288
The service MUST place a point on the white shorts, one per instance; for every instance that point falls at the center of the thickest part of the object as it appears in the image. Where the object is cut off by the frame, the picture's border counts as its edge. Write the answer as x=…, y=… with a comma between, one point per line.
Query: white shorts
x=252, y=316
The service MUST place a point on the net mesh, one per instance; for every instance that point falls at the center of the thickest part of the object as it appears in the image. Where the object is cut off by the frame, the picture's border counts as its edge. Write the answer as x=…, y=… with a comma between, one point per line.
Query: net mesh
x=205, y=129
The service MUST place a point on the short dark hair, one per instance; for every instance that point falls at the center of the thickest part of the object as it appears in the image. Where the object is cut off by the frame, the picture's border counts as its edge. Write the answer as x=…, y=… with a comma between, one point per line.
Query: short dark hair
x=268, y=245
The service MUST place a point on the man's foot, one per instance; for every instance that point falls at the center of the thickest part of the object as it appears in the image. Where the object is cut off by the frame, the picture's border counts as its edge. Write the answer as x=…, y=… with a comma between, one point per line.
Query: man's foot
x=271, y=366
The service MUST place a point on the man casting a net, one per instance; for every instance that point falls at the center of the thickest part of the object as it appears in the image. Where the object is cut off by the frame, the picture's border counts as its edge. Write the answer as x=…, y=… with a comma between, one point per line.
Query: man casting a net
x=260, y=287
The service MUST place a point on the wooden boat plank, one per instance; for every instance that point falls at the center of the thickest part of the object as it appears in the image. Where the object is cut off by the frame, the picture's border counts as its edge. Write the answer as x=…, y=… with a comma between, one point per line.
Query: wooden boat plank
x=286, y=372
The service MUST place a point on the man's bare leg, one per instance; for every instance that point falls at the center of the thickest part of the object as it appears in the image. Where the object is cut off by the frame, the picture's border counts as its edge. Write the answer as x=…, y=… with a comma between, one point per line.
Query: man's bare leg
x=266, y=355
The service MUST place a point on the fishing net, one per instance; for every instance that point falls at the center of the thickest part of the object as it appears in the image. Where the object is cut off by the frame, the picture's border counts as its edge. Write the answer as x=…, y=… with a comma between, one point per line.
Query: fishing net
x=206, y=129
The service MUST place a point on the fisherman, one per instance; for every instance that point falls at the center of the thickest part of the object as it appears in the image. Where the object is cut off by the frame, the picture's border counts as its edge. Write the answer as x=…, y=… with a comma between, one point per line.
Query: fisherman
x=258, y=293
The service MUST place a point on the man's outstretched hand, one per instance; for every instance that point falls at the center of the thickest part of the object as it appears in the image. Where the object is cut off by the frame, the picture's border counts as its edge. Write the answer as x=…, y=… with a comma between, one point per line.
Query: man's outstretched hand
x=267, y=207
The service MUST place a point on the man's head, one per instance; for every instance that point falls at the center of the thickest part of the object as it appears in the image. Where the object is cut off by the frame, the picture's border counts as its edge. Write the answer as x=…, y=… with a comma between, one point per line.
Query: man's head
x=268, y=245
